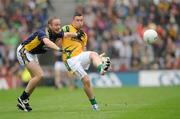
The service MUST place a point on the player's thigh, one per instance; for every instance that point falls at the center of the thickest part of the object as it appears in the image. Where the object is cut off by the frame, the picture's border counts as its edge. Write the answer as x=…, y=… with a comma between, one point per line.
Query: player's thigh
x=75, y=66
x=80, y=72
x=84, y=59
x=24, y=56
x=35, y=68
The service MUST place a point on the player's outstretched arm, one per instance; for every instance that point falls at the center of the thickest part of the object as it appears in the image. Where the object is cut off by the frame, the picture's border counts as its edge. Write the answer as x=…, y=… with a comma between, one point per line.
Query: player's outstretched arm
x=77, y=34
x=50, y=44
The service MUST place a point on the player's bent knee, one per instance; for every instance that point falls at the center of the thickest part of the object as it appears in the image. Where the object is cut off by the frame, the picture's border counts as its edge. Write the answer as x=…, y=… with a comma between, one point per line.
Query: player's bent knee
x=40, y=76
x=93, y=54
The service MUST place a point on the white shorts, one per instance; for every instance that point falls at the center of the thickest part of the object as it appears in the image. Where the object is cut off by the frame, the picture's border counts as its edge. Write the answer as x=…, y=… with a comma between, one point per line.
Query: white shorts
x=59, y=66
x=24, y=56
x=79, y=64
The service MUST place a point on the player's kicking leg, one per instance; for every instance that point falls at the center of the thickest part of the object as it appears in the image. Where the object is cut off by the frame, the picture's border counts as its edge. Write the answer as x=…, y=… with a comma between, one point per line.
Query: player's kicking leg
x=36, y=74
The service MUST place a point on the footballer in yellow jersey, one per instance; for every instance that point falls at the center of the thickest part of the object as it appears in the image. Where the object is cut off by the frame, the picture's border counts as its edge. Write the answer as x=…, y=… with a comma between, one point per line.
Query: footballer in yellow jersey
x=78, y=60
x=73, y=44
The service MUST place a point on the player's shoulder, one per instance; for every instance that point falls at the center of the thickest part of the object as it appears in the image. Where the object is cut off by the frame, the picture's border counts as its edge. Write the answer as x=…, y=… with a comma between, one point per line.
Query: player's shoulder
x=41, y=31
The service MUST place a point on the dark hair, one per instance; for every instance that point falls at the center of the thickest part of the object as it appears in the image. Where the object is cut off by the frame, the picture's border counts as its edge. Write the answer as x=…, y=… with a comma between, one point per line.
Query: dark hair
x=77, y=14
x=51, y=19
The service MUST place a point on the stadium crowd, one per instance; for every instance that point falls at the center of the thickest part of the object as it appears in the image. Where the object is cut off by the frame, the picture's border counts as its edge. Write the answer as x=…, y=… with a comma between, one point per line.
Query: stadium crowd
x=18, y=18
x=116, y=27
x=113, y=26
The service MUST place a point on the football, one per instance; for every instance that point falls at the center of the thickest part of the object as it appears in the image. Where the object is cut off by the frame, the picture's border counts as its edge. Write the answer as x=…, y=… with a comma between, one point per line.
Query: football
x=150, y=36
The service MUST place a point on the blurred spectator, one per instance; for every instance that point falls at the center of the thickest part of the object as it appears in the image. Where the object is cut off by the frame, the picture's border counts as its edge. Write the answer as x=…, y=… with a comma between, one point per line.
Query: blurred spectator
x=18, y=18
x=113, y=26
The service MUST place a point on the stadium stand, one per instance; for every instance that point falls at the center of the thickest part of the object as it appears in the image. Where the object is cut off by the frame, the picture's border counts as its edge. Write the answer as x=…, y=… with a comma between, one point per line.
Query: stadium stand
x=17, y=20
x=113, y=26
x=116, y=27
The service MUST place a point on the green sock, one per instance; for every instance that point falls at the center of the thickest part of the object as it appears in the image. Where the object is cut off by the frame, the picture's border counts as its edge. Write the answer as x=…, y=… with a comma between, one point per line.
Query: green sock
x=99, y=68
x=93, y=101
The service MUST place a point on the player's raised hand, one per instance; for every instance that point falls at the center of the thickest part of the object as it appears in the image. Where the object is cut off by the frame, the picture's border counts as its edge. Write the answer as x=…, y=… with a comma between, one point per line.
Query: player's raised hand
x=80, y=34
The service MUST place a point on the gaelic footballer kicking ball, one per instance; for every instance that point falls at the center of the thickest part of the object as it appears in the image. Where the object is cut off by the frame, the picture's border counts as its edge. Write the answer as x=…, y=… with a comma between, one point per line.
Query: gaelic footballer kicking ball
x=150, y=36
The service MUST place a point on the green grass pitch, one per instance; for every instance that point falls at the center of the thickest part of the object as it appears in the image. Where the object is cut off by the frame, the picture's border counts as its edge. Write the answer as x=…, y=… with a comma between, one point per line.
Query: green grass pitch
x=115, y=103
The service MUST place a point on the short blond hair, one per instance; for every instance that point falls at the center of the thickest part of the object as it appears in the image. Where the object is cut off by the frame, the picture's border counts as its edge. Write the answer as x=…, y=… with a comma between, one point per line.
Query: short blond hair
x=51, y=19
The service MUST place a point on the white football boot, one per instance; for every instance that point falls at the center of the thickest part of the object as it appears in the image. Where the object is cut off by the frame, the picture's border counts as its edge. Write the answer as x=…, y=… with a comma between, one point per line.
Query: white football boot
x=105, y=64
x=95, y=107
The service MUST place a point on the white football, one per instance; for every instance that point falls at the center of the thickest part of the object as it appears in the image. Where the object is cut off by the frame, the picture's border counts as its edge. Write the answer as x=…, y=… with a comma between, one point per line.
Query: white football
x=150, y=36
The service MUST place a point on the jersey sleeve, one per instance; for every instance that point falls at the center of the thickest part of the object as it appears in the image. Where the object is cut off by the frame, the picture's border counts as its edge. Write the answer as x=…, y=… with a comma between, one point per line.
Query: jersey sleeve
x=61, y=34
x=41, y=35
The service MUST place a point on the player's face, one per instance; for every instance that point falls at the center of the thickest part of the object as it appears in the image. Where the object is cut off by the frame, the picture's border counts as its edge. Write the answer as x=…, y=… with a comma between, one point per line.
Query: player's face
x=55, y=25
x=78, y=22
